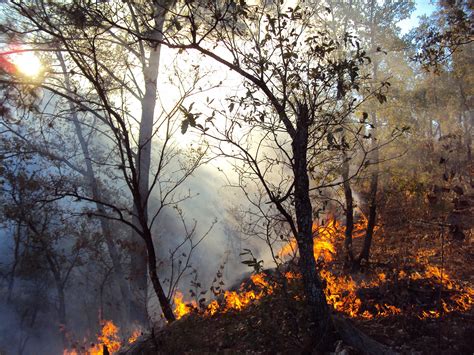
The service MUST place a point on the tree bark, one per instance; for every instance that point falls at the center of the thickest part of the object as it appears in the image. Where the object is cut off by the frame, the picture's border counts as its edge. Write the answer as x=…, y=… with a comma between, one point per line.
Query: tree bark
x=374, y=181
x=359, y=340
x=11, y=281
x=143, y=244
x=304, y=220
x=60, y=284
x=349, y=211
x=138, y=262
x=152, y=271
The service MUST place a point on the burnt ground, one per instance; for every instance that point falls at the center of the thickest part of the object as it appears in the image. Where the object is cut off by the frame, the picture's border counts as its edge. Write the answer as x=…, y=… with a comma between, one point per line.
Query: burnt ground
x=278, y=323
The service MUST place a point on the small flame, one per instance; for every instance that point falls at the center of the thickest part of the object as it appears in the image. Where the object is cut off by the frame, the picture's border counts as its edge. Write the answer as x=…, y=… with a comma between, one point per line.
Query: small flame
x=182, y=308
x=134, y=336
x=323, y=242
x=289, y=275
x=108, y=337
x=212, y=308
x=233, y=300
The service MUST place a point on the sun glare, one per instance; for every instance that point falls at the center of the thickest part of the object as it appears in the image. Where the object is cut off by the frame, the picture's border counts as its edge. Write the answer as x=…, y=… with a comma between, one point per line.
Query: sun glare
x=27, y=63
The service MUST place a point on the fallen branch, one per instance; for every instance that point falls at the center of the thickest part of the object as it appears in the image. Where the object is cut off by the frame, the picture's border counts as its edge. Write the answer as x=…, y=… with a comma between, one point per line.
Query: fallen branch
x=357, y=339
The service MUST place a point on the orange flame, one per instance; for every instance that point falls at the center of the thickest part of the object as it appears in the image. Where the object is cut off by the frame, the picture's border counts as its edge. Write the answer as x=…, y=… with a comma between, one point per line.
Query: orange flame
x=212, y=308
x=233, y=300
x=109, y=337
x=182, y=308
x=323, y=242
x=341, y=291
x=134, y=336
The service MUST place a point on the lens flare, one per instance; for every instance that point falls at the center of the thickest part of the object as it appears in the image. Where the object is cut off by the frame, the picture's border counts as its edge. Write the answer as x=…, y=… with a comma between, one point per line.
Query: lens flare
x=26, y=63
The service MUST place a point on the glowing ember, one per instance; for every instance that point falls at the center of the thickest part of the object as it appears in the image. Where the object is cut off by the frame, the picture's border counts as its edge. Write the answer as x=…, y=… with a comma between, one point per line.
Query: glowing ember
x=289, y=275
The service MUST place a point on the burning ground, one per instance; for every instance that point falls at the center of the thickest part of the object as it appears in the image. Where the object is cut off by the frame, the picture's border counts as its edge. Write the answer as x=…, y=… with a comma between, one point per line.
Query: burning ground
x=409, y=299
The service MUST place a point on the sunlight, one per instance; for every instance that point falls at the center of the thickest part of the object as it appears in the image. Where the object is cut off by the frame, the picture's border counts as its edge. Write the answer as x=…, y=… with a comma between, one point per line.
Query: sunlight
x=27, y=63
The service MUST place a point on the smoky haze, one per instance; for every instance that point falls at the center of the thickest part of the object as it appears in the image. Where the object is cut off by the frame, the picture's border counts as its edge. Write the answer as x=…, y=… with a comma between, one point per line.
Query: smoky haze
x=72, y=144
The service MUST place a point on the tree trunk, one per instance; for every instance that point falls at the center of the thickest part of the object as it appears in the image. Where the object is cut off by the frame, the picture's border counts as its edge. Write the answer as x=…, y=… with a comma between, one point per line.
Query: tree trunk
x=158, y=288
x=138, y=266
x=11, y=281
x=365, y=253
x=374, y=180
x=61, y=299
x=62, y=308
x=466, y=121
x=359, y=340
x=142, y=249
x=349, y=210
x=312, y=284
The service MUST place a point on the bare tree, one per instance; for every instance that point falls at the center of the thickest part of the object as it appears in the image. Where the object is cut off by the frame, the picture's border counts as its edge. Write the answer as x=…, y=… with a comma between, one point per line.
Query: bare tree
x=44, y=240
x=111, y=87
x=283, y=127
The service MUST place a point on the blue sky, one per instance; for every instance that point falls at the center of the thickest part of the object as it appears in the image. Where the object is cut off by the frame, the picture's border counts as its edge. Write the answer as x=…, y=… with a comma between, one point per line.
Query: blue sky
x=423, y=7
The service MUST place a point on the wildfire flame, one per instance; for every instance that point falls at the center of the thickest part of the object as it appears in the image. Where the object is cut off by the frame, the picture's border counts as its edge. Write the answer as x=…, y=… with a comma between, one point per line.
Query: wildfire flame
x=108, y=337
x=233, y=300
x=182, y=308
x=134, y=336
x=341, y=290
x=341, y=293
x=323, y=242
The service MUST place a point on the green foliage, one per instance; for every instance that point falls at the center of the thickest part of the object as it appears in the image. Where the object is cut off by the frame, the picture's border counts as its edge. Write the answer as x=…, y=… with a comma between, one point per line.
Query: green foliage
x=252, y=262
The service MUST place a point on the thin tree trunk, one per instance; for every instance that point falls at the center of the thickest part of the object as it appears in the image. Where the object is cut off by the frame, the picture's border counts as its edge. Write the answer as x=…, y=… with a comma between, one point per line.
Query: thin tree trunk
x=349, y=211
x=62, y=306
x=312, y=284
x=61, y=299
x=138, y=266
x=11, y=281
x=466, y=122
x=143, y=244
x=118, y=273
x=374, y=181
x=158, y=288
